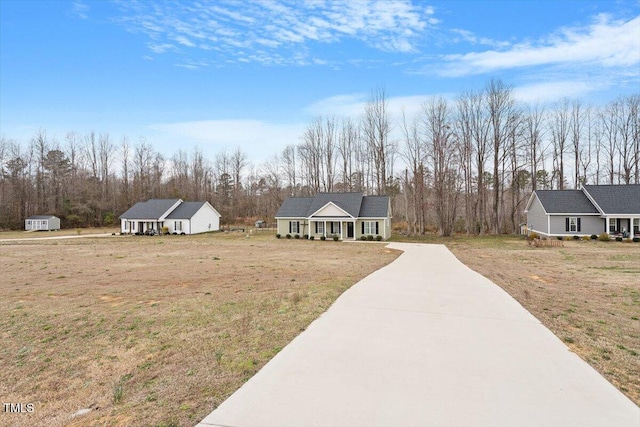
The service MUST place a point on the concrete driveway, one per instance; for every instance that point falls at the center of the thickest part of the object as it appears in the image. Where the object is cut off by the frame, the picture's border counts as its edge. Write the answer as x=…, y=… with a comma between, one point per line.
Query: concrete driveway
x=425, y=341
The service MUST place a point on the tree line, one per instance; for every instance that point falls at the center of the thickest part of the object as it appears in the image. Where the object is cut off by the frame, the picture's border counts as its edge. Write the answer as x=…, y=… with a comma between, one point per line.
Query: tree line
x=462, y=165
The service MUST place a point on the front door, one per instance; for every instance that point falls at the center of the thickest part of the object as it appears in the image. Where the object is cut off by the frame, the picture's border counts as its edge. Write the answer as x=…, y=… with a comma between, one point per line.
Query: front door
x=349, y=230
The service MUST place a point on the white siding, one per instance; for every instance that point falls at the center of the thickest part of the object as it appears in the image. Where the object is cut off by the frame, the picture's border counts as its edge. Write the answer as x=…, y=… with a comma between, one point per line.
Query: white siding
x=206, y=219
x=330, y=210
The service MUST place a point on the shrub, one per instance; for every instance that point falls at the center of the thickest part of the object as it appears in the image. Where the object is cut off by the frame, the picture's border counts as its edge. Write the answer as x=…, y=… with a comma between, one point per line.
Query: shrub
x=587, y=238
x=335, y=237
x=363, y=237
x=604, y=237
x=559, y=237
x=323, y=238
x=306, y=236
x=379, y=238
x=534, y=235
x=288, y=236
x=618, y=239
x=312, y=237
x=370, y=238
x=636, y=239
x=576, y=237
x=297, y=236
x=567, y=238
x=594, y=236
x=277, y=236
x=165, y=230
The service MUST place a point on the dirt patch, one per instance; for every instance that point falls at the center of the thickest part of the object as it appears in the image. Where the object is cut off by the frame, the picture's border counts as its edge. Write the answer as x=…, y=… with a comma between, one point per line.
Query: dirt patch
x=157, y=330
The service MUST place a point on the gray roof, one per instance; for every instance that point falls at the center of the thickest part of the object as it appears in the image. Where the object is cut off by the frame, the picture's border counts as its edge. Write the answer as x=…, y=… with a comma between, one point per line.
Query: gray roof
x=355, y=204
x=616, y=199
x=349, y=202
x=185, y=210
x=294, y=207
x=151, y=209
x=42, y=216
x=565, y=201
x=374, y=206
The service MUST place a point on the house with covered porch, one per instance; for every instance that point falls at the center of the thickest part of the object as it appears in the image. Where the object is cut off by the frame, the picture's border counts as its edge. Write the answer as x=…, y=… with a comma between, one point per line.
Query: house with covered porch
x=346, y=215
x=593, y=209
x=178, y=216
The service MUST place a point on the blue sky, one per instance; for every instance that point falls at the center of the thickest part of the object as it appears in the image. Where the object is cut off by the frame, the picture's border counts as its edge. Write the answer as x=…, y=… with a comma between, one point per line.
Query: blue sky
x=222, y=74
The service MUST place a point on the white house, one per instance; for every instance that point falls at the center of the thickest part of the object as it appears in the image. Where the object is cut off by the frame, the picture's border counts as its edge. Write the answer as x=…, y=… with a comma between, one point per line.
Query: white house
x=42, y=222
x=178, y=216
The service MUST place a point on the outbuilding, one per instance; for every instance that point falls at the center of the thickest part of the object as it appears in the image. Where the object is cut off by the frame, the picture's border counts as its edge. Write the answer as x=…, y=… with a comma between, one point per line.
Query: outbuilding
x=42, y=222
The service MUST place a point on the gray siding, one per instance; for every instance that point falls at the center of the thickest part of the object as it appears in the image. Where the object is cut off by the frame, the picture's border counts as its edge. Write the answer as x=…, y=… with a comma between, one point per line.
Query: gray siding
x=537, y=218
x=588, y=225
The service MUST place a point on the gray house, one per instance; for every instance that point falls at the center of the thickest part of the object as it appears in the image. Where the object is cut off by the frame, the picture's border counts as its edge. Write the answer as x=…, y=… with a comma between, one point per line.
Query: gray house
x=347, y=215
x=593, y=209
x=42, y=222
x=178, y=216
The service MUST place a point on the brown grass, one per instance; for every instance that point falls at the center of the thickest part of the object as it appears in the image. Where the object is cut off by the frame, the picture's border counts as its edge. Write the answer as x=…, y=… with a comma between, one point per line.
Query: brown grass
x=587, y=293
x=156, y=330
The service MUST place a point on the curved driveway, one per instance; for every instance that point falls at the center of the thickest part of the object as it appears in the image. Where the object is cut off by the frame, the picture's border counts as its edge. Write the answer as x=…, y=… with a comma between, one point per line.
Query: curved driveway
x=425, y=341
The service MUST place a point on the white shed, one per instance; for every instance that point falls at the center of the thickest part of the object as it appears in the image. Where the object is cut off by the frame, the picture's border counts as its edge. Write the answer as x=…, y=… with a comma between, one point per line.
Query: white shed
x=42, y=222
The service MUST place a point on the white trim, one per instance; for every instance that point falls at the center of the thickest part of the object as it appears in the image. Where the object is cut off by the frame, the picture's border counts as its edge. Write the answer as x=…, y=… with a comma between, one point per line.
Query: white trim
x=336, y=206
x=592, y=200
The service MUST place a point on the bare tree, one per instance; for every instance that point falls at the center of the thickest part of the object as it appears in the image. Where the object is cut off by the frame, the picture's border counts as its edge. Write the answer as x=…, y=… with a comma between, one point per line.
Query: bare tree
x=376, y=127
x=443, y=157
x=559, y=128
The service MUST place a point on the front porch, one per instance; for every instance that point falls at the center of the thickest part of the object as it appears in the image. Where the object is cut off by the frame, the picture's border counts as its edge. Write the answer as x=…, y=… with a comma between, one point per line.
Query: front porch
x=329, y=227
x=623, y=227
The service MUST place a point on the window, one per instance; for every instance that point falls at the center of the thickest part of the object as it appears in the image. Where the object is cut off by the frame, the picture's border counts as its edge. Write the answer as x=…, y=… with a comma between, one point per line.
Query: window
x=636, y=225
x=369, y=227
x=28, y=222
x=320, y=227
x=335, y=227
x=177, y=225
x=294, y=226
x=572, y=225
x=612, y=226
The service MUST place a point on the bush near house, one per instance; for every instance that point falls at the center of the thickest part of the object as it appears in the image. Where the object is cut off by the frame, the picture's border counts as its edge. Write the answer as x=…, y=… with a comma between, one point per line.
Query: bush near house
x=604, y=237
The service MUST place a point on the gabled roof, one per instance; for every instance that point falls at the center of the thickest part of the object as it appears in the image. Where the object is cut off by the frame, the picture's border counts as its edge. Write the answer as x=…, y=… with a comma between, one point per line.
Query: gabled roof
x=355, y=204
x=348, y=202
x=565, y=201
x=294, y=207
x=151, y=209
x=42, y=217
x=374, y=207
x=186, y=210
x=616, y=199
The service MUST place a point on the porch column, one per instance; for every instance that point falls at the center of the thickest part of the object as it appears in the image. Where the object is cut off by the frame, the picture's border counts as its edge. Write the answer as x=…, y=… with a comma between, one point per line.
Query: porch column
x=325, y=228
x=631, y=233
x=606, y=220
x=341, y=230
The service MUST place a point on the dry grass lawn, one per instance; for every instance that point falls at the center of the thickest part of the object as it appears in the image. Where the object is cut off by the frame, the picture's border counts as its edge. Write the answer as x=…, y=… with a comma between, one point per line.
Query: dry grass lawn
x=156, y=331
x=587, y=293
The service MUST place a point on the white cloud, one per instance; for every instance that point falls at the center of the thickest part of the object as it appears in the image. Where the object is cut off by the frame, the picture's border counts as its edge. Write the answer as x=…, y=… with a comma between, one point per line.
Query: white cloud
x=604, y=43
x=279, y=27
x=257, y=138
x=80, y=10
x=553, y=91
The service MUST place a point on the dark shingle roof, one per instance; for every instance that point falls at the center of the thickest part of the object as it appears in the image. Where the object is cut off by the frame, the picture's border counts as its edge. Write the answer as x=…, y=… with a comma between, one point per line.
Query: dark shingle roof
x=616, y=199
x=374, y=206
x=185, y=210
x=355, y=204
x=41, y=216
x=349, y=202
x=151, y=209
x=294, y=207
x=565, y=201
